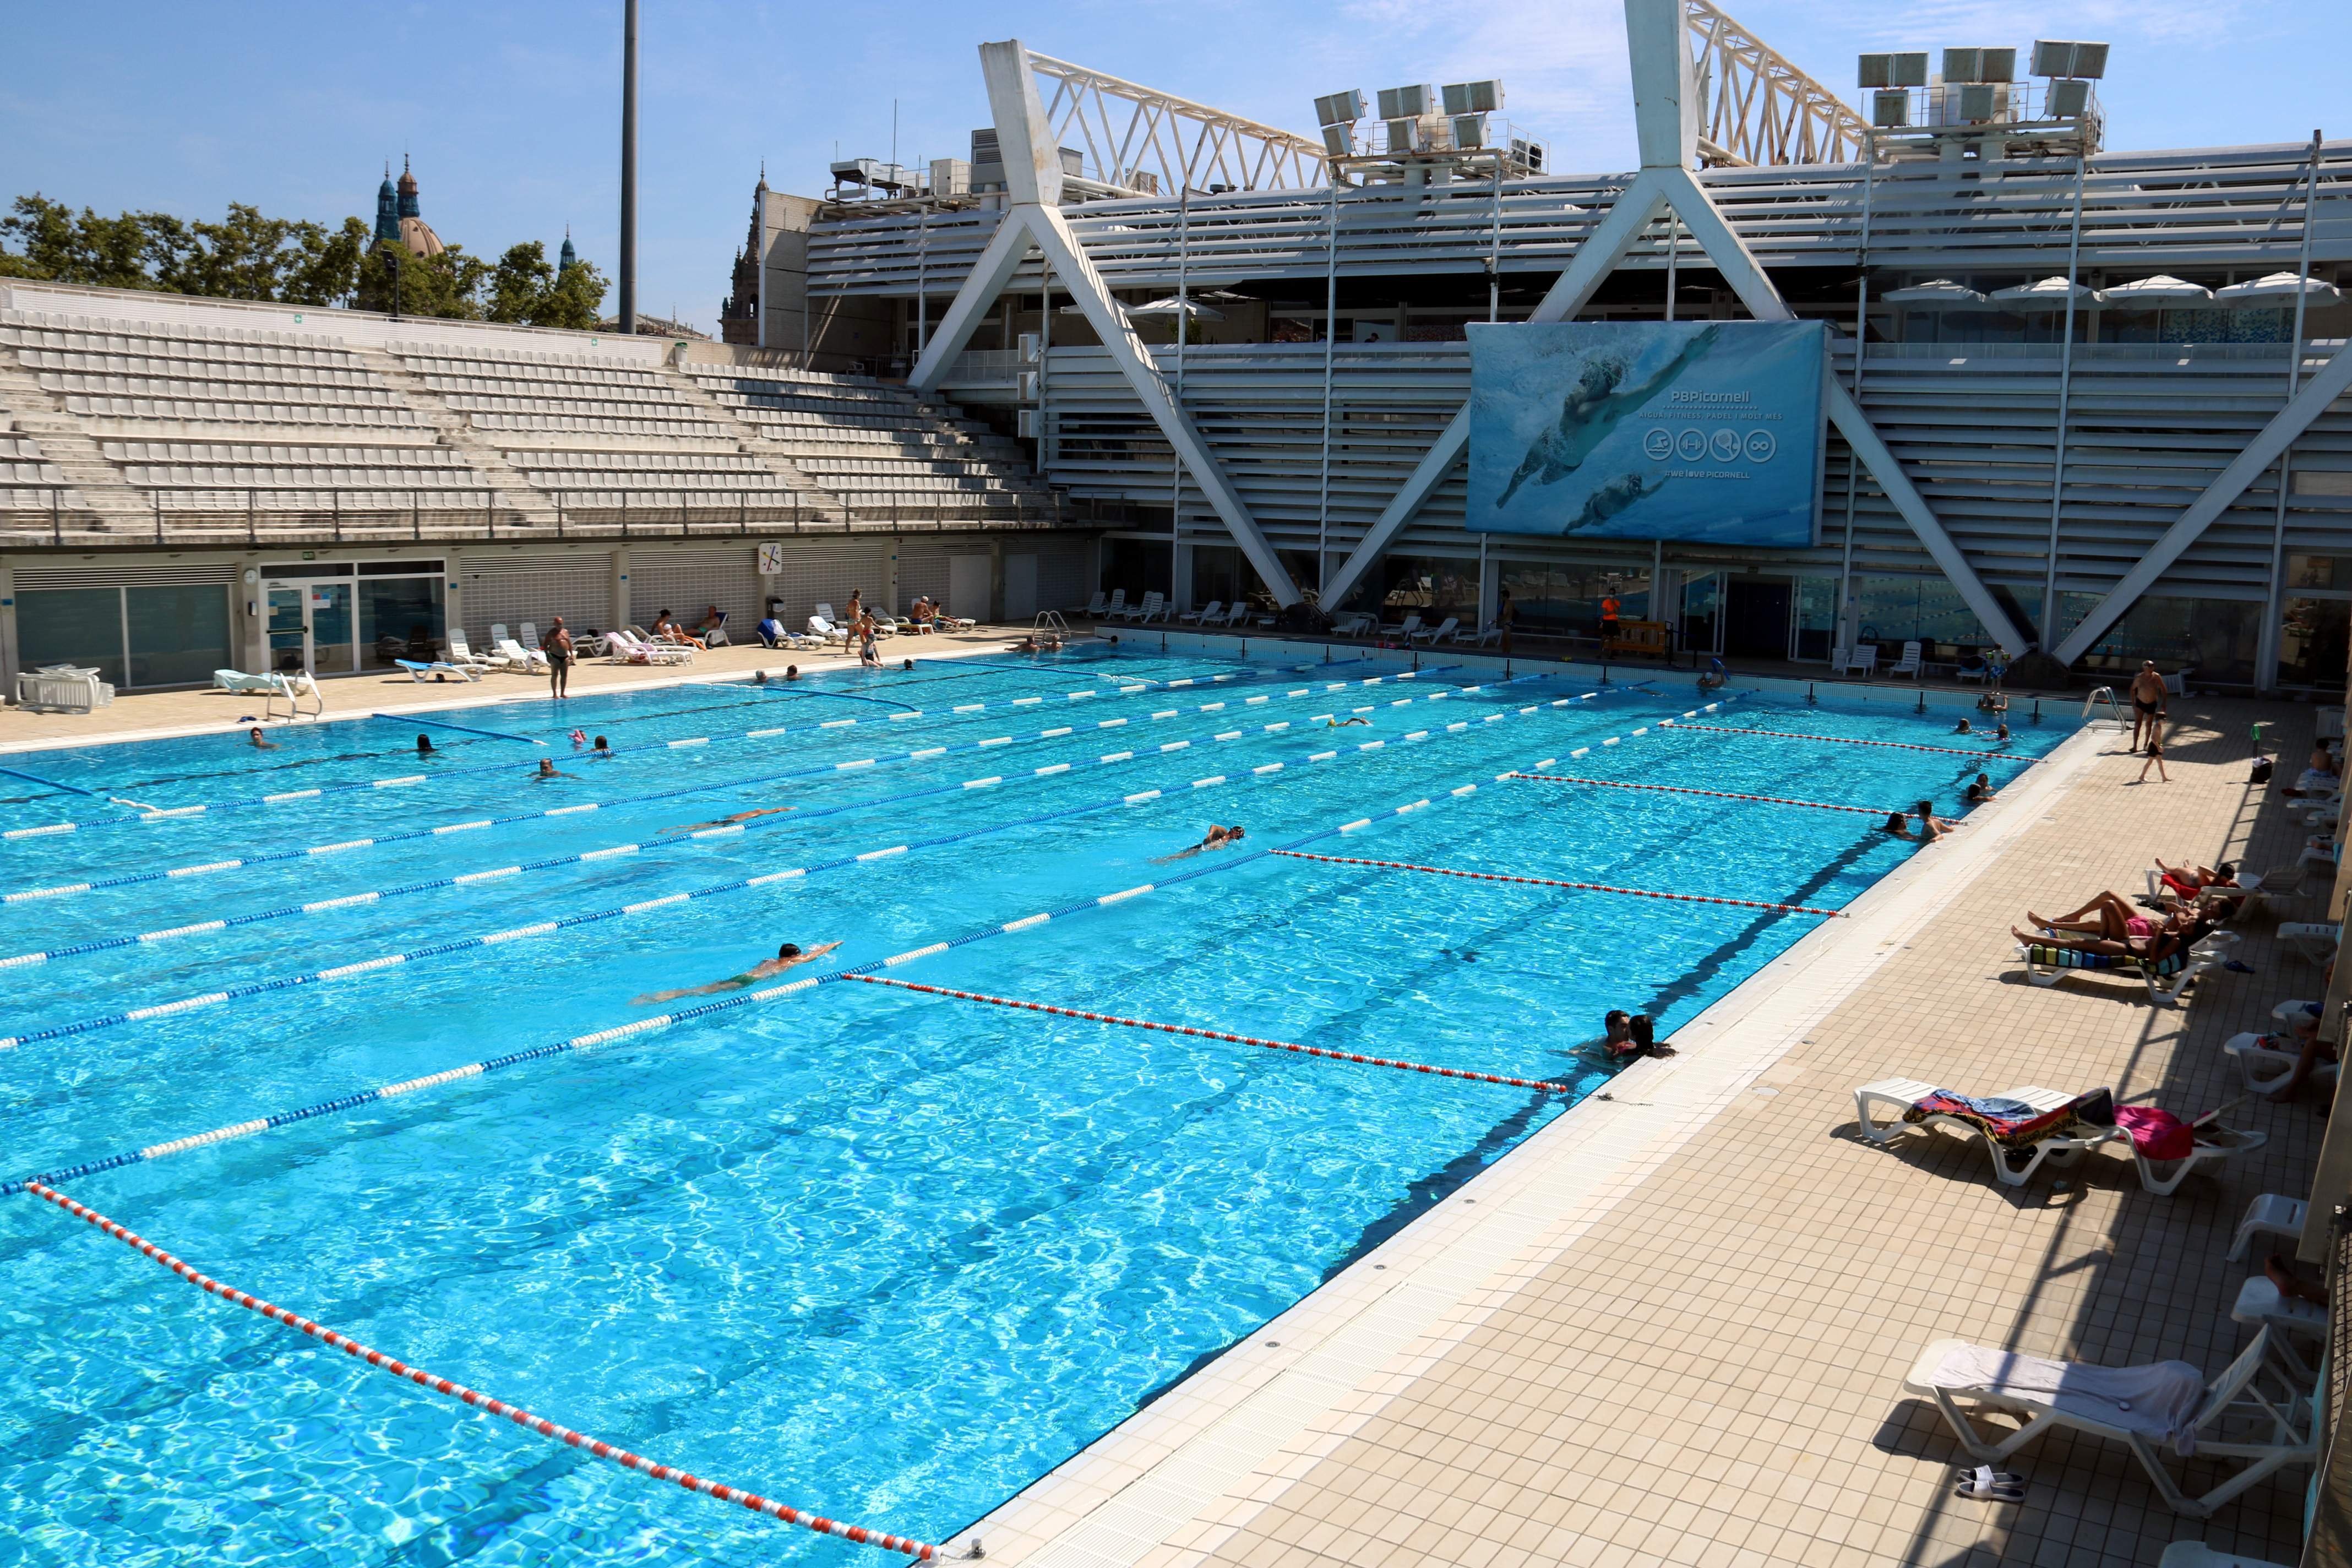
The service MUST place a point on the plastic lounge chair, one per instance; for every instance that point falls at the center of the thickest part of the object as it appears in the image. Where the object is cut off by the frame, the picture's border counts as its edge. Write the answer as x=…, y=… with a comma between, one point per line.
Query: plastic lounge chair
x=1909, y=664
x=521, y=657
x=1153, y=608
x=634, y=649
x=1096, y=607
x=717, y=636
x=1116, y=609
x=420, y=672
x=461, y=654
x=2012, y=1165
x=2167, y=978
x=2266, y=1067
x=2197, y=1554
x=825, y=631
x=2215, y=1144
x=278, y=683
x=1444, y=631
x=2314, y=942
x=2273, y=1213
x=1864, y=659
x=2253, y=1410
x=1213, y=610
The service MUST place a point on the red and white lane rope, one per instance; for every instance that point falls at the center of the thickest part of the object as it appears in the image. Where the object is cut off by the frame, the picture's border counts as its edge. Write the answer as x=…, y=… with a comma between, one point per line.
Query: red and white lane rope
x=923, y=1550
x=1208, y=1034
x=1715, y=794
x=1848, y=741
x=1555, y=883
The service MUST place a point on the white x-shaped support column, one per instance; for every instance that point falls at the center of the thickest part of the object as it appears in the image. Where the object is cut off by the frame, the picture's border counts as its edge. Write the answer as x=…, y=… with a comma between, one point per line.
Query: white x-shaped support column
x=1033, y=221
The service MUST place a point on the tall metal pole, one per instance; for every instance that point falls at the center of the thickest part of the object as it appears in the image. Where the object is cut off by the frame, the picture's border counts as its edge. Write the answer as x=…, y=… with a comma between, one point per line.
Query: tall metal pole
x=2065, y=411
x=629, y=166
x=2266, y=647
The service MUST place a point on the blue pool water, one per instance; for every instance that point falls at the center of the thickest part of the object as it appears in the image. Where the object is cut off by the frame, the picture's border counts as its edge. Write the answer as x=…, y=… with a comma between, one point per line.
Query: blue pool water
x=883, y=1255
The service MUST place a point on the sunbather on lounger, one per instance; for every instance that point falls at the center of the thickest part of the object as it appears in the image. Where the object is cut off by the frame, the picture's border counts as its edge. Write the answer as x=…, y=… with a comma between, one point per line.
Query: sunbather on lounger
x=1218, y=839
x=2187, y=881
x=787, y=956
x=2165, y=944
x=254, y=737
x=727, y=821
x=2109, y=915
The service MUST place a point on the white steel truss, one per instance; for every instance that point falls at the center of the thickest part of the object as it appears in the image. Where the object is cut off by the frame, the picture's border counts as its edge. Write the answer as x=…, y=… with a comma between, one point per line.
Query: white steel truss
x=1756, y=108
x=1125, y=130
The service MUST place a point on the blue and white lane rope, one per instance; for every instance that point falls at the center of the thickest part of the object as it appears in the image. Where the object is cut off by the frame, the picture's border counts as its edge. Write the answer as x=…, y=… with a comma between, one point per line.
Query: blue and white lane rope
x=817, y=771
x=542, y=928
x=579, y=1043
x=375, y=896
x=165, y=813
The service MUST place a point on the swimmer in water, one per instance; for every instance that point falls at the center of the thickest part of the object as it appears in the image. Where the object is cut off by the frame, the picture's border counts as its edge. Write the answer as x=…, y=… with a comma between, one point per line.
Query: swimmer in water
x=792, y=672
x=579, y=739
x=1218, y=839
x=759, y=678
x=787, y=956
x=727, y=821
x=423, y=745
x=547, y=770
x=254, y=737
x=602, y=748
x=1343, y=723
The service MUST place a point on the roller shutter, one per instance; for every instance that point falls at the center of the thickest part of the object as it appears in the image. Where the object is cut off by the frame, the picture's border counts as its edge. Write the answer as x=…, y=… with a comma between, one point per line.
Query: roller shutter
x=686, y=582
x=1061, y=579
x=513, y=589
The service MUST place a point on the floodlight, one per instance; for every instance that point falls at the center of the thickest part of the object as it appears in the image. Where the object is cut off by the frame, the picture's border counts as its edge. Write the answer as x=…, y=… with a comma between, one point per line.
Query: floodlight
x=1341, y=108
x=1339, y=140
x=1404, y=135
x=1909, y=69
x=1976, y=102
x=1875, y=70
x=1469, y=129
x=1890, y=108
x=1996, y=65
x=1407, y=102
x=2070, y=99
x=1528, y=155
x=2090, y=61
x=2058, y=57
x=1961, y=66
x=1473, y=97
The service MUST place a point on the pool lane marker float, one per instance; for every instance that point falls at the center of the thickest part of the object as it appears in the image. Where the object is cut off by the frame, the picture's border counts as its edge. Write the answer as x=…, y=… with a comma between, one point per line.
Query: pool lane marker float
x=543, y=928
x=818, y=771
x=1717, y=793
x=445, y=724
x=921, y=1551
x=321, y=906
x=1355, y=1057
x=1555, y=883
x=583, y=1042
x=241, y=802
x=1845, y=741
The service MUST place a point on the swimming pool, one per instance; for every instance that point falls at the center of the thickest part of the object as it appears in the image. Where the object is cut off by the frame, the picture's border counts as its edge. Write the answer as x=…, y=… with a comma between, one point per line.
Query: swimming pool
x=889, y=1254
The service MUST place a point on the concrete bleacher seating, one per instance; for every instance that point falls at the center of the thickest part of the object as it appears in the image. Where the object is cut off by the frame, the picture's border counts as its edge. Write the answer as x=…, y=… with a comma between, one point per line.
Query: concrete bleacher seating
x=160, y=421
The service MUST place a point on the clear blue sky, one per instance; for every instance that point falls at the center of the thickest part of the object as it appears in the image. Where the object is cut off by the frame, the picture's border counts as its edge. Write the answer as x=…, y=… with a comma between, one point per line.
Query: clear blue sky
x=511, y=111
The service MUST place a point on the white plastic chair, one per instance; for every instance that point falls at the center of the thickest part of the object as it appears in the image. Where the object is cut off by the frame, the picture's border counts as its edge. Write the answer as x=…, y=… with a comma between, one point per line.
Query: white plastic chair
x=2273, y=1213
x=1862, y=659
x=1909, y=664
x=1900, y=1094
x=1213, y=611
x=1444, y=631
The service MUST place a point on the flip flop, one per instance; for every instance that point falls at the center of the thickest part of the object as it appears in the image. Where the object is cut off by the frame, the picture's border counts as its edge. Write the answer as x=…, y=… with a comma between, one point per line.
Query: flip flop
x=1985, y=1484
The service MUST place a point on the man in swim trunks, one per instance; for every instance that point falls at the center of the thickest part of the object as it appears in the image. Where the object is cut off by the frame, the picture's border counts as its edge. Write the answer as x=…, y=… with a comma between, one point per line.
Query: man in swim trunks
x=1218, y=839
x=254, y=737
x=787, y=956
x=2148, y=702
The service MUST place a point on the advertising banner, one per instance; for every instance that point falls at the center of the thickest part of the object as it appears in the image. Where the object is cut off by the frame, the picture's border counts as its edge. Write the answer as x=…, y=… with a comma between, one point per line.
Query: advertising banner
x=1707, y=431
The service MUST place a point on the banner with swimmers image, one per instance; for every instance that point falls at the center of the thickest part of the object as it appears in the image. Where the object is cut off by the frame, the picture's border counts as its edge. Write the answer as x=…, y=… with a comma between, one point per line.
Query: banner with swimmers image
x=1689, y=430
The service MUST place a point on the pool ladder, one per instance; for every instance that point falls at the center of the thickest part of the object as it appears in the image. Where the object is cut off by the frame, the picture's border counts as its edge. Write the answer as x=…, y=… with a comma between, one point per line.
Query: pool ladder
x=2114, y=713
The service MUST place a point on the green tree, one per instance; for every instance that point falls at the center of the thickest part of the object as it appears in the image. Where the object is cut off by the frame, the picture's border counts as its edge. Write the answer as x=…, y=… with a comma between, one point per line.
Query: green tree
x=519, y=283
x=327, y=270
x=578, y=294
x=447, y=285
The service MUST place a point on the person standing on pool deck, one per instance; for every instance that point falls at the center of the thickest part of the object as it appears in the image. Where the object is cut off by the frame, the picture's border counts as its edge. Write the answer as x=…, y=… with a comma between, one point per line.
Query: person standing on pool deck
x=1505, y=614
x=557, y=646
x=787, y=956
x=2148, y=694
x=2155, y=756
x=1608, y=615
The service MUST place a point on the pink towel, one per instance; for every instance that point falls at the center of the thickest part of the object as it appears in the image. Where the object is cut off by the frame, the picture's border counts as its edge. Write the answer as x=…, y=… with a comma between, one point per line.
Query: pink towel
x=2156, y=1134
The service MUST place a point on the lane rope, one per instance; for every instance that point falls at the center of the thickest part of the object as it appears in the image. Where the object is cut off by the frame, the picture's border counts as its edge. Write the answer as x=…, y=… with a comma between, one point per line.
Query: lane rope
x=1211, y=1034
x=1555, y=883
x=817, y=771
x=242, y=803
x=545, y=928
x=580, y=1044
x=1717, y=793
x=375, y=896
x=1846, y=741
x=922, y=1550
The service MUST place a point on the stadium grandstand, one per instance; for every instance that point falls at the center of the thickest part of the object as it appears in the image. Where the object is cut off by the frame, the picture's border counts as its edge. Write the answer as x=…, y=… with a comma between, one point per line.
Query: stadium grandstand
x=2081, y=400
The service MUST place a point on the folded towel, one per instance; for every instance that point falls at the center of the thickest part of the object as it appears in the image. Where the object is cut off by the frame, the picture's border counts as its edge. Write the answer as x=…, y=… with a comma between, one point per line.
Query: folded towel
x=2159, y=1400
x=2011, y=1123
x=2157, y=1133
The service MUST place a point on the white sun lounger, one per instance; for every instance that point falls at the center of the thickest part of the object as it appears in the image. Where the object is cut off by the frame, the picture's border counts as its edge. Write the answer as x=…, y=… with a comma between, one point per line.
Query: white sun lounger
x=2252, y=1411
x=1214, y=610
x=422, y=672
x=276, y=683
x=2011, y=1167
x=461, y=654
x=2197, y=1554
x=2273, y=1213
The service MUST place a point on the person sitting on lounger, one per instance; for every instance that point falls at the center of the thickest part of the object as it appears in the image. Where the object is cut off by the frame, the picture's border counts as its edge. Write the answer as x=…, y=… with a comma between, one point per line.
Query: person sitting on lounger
x=1218, y=839
x=2319, y=777
x=254, y=737
x=2189, y=881
x=729, y=821
x=2168, y=942
x=1981, y=790
x=712, y=619
x=2109, y=915
x=547, y=770
x=666, y=630
x=787, y=956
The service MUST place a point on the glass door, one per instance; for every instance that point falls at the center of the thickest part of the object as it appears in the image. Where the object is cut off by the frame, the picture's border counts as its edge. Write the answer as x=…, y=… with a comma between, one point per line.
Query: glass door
x=289, y=631
x=1813, y=627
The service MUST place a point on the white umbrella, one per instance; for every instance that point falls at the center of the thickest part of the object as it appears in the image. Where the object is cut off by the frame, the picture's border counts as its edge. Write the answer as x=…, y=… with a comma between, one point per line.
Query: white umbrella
x=2157, y=292
x=2280, y=288
x=1935, y=292
x=2048, y=294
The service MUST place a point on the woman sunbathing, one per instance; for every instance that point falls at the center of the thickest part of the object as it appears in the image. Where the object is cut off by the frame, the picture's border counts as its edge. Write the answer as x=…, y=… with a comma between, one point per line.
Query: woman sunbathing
x=2109, y=915
x=2187, y=881
x=2166, y=943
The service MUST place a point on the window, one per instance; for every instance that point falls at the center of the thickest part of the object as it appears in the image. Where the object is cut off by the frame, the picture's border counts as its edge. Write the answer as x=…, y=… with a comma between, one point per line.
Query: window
x=2214, y=636
x=73, y=626
x=1553, y=599
x=1898, y=610
x=400, y=617
x=179, y=634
